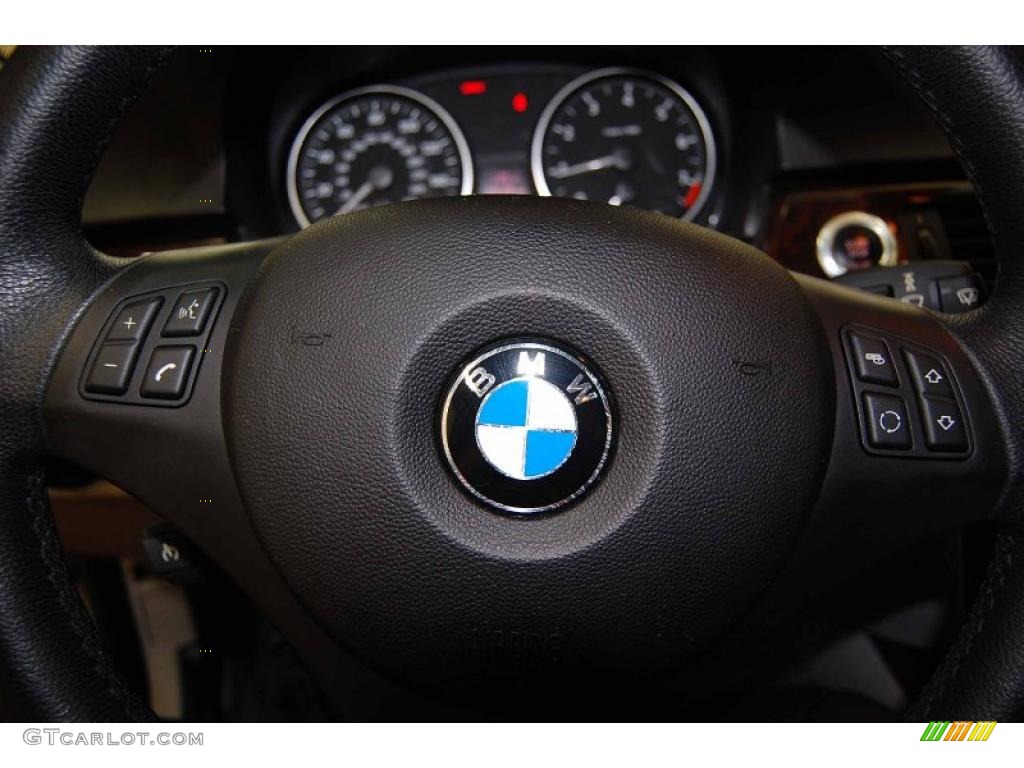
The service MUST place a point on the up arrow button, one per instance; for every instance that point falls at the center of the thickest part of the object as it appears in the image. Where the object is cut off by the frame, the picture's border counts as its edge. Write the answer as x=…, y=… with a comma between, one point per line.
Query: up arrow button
x=928, y=374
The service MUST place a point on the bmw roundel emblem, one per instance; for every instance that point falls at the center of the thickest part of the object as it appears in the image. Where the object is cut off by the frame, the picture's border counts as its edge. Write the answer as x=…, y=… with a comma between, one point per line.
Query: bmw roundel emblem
x=527, y=426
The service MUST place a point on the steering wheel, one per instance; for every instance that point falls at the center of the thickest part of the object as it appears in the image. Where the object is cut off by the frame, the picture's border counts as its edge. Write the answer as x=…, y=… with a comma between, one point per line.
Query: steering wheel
x=288, y=404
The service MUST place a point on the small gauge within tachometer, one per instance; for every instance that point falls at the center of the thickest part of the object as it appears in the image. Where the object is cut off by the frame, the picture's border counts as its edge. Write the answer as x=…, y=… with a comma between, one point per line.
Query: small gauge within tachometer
x=374, y=146
x=626, y=138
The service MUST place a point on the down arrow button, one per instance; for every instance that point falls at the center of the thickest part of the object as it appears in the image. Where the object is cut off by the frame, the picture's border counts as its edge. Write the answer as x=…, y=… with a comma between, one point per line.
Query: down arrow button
x=943, y=425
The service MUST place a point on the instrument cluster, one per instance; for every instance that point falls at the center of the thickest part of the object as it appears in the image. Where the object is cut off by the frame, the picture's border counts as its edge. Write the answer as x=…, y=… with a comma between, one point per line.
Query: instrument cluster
x=621, y=136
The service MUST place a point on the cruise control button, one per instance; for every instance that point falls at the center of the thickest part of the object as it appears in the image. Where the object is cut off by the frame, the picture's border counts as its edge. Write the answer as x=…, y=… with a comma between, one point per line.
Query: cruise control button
x=170, y=554
x=872, y=360
x=929, y=375
x=190, y=312
x=943, y=425
x=887, y=424
x=111, y=370
x=167, y=372
x=134, y=320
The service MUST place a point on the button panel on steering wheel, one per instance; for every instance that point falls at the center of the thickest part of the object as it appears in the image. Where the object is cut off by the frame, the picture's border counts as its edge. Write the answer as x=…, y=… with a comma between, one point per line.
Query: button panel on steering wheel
x=907, y=400
x=133, y=363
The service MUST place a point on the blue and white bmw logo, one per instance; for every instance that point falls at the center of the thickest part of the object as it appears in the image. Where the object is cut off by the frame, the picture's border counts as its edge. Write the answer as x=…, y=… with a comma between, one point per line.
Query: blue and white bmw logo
x=527, y=426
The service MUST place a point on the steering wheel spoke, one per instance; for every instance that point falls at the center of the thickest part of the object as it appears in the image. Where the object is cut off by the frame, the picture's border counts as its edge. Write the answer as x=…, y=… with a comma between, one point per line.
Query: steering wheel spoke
x=156, y=429
x=135, y=396
x=140, y=376
x=917, y=449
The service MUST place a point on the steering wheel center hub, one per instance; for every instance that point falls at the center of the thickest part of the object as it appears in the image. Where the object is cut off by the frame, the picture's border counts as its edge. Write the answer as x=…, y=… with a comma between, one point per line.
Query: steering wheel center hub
x=666, y=508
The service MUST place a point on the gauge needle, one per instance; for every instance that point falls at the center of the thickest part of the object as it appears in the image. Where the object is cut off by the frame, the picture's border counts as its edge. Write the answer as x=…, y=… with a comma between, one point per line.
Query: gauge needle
x=381, y=177
x=618, y=159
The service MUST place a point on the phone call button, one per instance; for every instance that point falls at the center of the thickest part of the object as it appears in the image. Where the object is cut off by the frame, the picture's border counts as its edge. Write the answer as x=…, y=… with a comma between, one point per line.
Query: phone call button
x=167, y=372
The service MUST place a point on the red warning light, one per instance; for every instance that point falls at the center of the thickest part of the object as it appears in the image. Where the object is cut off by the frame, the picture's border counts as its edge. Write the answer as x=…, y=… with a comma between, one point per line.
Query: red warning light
x=472, y=87
x=691, y=196
x=520, y=102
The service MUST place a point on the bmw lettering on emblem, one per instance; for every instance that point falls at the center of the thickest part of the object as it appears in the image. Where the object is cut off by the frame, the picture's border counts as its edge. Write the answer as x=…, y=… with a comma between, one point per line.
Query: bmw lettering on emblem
x=527, y=426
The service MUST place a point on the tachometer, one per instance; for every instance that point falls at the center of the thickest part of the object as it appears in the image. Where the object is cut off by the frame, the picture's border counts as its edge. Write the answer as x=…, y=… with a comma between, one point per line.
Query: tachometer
x=373, y=146
x=627, y=138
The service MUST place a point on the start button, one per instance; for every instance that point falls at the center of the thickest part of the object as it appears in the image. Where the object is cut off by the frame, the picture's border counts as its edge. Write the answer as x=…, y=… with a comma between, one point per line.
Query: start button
x=854, y=240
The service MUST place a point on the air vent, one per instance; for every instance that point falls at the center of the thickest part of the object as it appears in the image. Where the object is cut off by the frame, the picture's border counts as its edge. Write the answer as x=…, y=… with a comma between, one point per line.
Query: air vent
x=966, y=231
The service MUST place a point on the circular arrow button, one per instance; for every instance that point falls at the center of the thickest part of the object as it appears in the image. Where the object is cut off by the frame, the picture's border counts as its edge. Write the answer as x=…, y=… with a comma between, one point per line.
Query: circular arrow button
x=885, y=421
x=890, y=422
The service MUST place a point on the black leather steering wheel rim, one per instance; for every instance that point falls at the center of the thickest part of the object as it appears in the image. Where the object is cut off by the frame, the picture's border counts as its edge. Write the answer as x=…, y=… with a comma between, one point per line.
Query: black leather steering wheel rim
x=977, y=96
x=58, y=109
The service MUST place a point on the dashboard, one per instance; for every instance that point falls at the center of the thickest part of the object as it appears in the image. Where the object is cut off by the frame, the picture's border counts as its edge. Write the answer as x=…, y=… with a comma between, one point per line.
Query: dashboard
x=784, y=148
x=621, y=136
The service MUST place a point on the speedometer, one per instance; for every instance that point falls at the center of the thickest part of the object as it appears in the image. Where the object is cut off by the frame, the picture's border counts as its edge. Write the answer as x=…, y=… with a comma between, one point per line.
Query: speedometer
x=374, y=146
x=626, y=138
